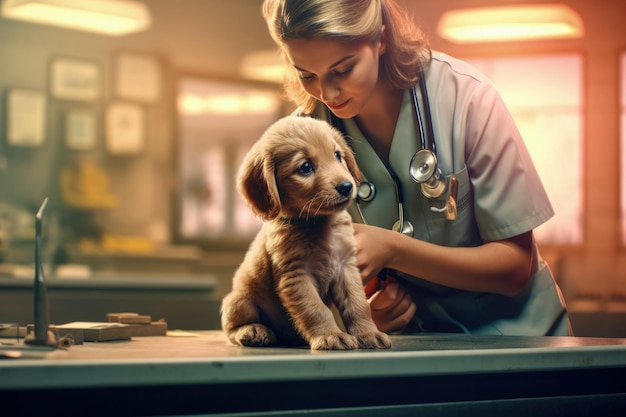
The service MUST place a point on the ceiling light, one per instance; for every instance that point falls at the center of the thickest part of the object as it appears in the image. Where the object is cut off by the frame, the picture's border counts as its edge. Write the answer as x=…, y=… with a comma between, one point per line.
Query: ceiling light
x=228, y=104
x=510, y=23
x=114, y=18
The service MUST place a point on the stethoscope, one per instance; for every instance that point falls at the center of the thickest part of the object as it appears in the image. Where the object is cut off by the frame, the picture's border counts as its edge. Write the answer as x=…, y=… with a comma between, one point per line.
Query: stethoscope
x=423, y=169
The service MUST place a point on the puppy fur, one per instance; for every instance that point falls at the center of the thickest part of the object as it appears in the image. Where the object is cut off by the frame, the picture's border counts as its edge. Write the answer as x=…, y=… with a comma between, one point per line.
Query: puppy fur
x=299, y=177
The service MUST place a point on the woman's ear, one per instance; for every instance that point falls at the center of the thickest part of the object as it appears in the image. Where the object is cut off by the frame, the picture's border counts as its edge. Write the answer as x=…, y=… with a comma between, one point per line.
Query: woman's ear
x=257, y=184
x=382, y=41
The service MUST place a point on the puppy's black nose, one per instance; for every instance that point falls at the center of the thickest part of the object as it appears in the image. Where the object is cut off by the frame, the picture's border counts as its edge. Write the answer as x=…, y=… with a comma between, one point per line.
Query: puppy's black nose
x=345, y=188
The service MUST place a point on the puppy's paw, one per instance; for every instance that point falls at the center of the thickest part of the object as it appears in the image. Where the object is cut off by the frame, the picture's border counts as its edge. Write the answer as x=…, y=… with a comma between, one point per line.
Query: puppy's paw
x=255, y=335
x=336, y=341
x=374, y=340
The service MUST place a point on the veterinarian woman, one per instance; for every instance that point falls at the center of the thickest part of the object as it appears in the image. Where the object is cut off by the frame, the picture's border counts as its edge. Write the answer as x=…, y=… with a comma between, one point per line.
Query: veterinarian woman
x=463, y=259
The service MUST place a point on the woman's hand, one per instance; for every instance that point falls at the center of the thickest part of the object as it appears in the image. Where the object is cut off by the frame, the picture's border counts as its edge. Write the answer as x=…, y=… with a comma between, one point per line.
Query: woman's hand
x=390, y=303
x=371, y=250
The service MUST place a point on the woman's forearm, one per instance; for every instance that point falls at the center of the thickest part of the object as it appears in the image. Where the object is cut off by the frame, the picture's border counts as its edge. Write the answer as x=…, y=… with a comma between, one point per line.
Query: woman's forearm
x=501, y=267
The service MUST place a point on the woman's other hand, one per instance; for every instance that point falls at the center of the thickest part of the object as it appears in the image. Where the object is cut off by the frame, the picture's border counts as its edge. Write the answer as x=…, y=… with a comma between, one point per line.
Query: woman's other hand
x=390, y=303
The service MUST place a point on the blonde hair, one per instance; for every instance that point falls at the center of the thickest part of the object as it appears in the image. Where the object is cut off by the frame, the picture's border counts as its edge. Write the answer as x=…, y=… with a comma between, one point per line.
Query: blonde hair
x=407, y=50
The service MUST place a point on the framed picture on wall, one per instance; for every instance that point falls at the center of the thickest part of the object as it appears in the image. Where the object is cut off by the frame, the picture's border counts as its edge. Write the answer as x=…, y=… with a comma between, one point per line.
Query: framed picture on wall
x=75, y=79
x=80, y=129
x=125, y=125
x=138, y=77
x=26, y=117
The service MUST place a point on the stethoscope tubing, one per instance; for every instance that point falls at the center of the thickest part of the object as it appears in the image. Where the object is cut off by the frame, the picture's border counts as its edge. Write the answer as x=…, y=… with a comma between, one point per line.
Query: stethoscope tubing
x=427, y=143
x=427, y=133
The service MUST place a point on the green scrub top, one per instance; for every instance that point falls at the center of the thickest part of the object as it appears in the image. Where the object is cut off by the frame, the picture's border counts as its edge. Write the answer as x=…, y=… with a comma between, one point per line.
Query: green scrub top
x=500, y=195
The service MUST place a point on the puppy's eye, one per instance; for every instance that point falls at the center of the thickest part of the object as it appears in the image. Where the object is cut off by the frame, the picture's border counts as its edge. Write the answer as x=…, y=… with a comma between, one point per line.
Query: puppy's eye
x=306, y=168
x=338, y=156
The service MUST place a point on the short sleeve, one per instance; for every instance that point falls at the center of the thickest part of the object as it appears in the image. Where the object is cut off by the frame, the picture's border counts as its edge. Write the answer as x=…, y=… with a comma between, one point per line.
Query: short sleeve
x=509, y=198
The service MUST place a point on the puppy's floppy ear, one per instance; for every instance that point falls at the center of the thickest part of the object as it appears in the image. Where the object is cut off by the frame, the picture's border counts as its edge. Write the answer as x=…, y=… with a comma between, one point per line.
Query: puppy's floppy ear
x=349, y=157
x=257, y=183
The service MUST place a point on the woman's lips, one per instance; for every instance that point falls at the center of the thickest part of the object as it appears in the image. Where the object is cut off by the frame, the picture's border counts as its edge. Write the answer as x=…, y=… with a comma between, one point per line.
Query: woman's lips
x=338, y=106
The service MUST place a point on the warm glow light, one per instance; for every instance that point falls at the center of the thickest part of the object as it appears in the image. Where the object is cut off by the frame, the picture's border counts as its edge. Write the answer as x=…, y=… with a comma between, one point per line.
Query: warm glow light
x=263, y=66
x=227, y=104
x=272, y=73
x=101, y=16
x=510, y=23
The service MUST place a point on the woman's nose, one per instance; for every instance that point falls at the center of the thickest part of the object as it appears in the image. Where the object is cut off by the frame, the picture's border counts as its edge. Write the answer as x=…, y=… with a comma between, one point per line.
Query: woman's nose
x=328, y=90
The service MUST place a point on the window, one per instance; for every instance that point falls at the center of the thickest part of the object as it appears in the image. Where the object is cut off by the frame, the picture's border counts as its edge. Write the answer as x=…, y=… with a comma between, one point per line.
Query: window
x=544, y=95
x=623, y=143
x=218, y=122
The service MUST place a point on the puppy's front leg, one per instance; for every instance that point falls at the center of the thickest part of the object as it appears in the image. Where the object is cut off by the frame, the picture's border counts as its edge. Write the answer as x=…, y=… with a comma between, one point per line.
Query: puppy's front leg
x=355, y=312
x=311, y=317
x=242, y=324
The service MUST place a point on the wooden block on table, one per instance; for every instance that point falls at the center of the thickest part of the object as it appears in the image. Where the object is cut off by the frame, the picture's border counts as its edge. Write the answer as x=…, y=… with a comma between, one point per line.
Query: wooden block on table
x=11, y=331
x=100, y=331
x=156, y=328
x=129, y=318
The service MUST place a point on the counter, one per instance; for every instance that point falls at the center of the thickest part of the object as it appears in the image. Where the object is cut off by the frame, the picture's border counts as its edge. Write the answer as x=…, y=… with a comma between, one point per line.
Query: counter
x=199, y=373
x=183, y=300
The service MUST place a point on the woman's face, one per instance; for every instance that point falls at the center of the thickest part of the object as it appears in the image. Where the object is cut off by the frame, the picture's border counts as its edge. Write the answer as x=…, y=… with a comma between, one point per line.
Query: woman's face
x=343, y=75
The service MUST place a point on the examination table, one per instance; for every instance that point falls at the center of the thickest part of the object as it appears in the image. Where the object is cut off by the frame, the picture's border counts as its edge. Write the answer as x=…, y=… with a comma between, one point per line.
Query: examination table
x=200, y=373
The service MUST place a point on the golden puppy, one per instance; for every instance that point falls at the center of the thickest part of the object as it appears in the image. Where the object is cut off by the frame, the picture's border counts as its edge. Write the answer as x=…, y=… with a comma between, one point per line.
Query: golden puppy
x=300, y=177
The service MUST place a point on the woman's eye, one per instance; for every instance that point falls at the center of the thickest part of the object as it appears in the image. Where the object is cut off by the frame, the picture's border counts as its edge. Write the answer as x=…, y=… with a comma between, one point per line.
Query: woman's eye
x=338, y=156
x=306, y=76
x=306, y=168
x=346, y=71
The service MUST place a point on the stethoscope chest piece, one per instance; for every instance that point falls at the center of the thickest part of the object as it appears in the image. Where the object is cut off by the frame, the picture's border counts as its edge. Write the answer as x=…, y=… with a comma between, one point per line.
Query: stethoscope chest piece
x=424, y=171
x=366, y=191
x=423, y=165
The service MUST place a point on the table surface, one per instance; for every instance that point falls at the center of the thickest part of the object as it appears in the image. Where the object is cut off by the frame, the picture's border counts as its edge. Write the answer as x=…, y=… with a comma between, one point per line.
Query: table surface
x=207, y=358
